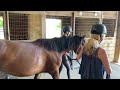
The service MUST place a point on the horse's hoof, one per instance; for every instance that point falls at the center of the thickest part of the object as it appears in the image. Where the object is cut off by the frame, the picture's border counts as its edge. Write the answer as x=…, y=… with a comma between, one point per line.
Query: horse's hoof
x=7, y=78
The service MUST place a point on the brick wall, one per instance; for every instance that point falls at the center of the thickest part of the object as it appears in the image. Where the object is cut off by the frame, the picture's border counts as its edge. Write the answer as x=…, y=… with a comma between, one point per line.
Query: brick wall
x=109, y=46
x=35, y=26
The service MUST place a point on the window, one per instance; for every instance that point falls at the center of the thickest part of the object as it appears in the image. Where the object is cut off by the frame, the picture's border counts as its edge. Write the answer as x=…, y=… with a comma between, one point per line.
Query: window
x=1, y=28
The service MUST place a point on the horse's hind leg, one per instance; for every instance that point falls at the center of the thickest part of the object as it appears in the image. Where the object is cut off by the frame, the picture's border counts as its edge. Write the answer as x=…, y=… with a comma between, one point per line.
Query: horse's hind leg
x=37, y=76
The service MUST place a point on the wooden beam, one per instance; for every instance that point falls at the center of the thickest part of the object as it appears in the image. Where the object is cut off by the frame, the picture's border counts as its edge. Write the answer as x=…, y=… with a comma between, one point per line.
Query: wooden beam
x=117, y=48
x=6, y=25
x=43, y=25
x=59, y=13
x=73, y=23
x=101, y=18
x=27, y=12
x=86, y=14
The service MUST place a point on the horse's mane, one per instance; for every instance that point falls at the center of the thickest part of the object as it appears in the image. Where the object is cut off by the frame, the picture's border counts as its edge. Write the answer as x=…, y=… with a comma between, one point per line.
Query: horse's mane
x=59, y=44
x=54, y=44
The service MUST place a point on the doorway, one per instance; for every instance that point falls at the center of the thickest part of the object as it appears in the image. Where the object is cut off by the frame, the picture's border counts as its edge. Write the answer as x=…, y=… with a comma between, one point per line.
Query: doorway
x=1, y=28
x=53, y=28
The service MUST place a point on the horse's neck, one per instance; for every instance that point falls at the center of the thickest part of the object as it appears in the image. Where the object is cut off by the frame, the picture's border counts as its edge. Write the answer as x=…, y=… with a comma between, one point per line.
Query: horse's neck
x=63, y=53
x=60, y=54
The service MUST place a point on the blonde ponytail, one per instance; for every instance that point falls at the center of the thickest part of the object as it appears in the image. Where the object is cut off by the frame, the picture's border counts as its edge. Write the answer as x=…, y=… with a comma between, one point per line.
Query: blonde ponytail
x=92, y=44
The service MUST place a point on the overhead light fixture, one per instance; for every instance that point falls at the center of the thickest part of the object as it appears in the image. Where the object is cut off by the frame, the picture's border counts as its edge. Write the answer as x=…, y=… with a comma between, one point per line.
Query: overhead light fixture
x=80, y=13
x=95, y=14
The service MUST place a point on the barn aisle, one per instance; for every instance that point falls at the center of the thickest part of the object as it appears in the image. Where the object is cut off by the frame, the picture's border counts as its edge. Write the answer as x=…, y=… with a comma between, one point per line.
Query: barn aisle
x=74, y=73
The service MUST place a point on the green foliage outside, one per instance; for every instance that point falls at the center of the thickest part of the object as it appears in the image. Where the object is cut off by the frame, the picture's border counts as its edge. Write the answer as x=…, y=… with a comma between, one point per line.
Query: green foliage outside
x=1, y=21
x=59, y=26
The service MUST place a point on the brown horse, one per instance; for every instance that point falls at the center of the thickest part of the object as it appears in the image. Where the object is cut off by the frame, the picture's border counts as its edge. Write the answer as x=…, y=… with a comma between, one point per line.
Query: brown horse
x=31, y=58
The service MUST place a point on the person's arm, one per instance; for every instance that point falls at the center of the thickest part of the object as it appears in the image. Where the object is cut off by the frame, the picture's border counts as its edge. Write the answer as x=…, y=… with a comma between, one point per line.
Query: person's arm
x=68, y=56
x=80, y=51
x=105, y=60
x=79, y=55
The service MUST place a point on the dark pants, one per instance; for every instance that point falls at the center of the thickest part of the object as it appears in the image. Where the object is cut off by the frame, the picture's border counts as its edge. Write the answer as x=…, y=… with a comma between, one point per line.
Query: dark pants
x=67, y=63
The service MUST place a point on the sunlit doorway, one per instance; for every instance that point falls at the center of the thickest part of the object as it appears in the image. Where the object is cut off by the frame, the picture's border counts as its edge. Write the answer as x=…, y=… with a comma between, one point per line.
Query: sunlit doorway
x=53, y=28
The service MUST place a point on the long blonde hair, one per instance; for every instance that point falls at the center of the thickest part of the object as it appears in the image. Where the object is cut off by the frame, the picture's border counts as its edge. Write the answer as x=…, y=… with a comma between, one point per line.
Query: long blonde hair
x=92, y=44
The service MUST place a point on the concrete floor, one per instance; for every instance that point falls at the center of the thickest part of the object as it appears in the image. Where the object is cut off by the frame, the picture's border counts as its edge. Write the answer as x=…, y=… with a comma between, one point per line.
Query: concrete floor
x=115, y=71
x=74, y=73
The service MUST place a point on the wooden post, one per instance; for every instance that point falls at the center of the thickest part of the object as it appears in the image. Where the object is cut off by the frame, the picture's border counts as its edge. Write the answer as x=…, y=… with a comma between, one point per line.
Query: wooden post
x=101, y=17
x=44, y=25
x=73, y=22
x=73, y=28
x=6, y=25
x=117, y=48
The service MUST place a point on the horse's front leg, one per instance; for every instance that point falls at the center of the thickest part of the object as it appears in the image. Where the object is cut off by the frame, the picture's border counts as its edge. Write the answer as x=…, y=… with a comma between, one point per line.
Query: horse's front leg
x=7, y=76
x=55, y=74
x=37, y=76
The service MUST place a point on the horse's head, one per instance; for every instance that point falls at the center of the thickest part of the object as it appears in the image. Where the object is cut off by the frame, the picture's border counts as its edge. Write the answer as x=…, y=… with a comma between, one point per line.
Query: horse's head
x=76, y=42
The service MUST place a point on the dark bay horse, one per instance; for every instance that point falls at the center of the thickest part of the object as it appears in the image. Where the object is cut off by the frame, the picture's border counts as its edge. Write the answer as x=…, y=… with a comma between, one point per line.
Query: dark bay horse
x=32, y=58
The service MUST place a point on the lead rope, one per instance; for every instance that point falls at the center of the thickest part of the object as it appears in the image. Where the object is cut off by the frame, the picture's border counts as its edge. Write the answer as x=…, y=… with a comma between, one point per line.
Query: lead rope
x=76, y=52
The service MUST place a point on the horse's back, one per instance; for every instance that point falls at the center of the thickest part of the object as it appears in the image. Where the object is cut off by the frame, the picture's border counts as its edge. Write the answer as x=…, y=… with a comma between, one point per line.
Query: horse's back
x=20, y=58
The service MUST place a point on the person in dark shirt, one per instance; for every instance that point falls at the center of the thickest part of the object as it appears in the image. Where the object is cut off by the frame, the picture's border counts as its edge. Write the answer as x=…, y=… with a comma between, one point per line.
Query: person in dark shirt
x=94, y=59
x=66, y=58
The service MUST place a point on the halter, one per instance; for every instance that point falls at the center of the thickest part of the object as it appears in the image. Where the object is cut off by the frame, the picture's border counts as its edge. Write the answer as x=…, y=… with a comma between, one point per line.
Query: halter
x=82, y=43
